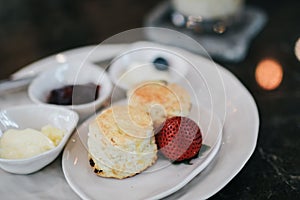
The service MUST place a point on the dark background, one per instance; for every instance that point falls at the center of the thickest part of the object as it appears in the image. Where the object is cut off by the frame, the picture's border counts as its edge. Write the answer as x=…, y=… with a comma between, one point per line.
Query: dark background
x=33, y=29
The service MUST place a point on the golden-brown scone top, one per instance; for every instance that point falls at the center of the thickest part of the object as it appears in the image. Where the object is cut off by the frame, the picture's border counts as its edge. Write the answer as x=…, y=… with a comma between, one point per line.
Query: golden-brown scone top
x=125, y=123
x=160, y=99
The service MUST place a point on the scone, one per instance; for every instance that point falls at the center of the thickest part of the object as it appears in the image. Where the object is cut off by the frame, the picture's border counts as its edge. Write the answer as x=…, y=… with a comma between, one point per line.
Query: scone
x=160, y=99
x=121, y=142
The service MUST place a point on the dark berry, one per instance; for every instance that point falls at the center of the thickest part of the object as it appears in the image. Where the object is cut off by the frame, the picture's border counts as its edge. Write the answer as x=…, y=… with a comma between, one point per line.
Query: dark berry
x=161, y=64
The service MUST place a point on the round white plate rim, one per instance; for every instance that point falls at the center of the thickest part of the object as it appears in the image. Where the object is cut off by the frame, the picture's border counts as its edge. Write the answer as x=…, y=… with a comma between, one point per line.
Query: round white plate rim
x=80, y=53
x=114, y=48
x=76, y=186
x=255, y=135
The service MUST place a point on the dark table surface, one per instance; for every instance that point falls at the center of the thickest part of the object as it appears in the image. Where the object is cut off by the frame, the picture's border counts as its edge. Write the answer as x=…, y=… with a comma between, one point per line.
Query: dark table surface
x=31, y=30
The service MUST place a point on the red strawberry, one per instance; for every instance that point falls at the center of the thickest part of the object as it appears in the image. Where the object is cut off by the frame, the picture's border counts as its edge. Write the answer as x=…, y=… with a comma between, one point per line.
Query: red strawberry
x=179, y=139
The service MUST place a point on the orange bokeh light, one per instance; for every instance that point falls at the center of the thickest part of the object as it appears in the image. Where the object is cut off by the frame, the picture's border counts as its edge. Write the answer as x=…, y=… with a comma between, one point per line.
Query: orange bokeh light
x=268, y=74
x=297, y=49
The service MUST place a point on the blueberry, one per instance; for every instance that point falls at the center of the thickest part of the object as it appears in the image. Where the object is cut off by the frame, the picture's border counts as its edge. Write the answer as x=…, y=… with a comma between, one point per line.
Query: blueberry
x=161, y=64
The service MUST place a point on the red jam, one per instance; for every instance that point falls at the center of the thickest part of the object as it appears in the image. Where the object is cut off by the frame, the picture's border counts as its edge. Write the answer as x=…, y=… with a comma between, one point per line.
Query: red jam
x=74, y=94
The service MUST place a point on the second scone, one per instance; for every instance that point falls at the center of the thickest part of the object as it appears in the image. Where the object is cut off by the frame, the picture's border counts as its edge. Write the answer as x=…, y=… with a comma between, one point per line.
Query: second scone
x=160, y=99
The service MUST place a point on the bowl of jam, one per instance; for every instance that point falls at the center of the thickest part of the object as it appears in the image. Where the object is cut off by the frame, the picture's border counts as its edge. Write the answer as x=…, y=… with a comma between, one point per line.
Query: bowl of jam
x=82, y=87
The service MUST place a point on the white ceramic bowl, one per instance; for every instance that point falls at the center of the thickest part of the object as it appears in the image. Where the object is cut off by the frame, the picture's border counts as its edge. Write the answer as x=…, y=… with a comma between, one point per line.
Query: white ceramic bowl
x=71, y=73
x=36, y=116
x=142, y=55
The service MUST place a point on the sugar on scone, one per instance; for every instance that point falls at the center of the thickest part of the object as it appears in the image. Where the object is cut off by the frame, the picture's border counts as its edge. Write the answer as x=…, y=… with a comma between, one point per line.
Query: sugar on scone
x=121, y=142
x=160, y=99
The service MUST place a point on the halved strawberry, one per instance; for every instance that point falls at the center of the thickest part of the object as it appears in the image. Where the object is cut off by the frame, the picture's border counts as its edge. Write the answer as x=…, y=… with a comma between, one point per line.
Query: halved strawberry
x=179, y=138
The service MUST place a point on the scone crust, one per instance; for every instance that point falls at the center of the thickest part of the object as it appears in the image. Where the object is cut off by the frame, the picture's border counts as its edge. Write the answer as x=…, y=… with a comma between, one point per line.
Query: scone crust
x=114, y=173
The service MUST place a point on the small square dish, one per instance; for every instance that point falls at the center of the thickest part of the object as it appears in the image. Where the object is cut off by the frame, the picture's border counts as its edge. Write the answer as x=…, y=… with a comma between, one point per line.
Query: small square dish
x=32, y=118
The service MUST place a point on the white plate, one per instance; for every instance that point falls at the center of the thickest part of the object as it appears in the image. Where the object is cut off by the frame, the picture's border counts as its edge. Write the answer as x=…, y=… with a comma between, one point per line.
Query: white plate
x=238, y=142
x=148, y=184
